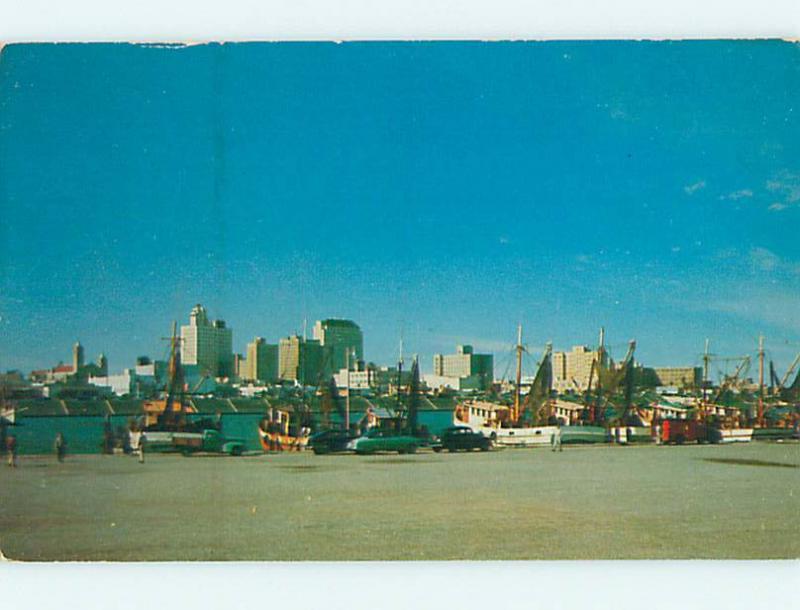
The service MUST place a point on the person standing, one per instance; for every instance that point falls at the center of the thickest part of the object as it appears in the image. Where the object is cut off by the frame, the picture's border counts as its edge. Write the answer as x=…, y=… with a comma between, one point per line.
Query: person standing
x=555, y=439
x=11, y=449
x=142, y=443
x=60, y=447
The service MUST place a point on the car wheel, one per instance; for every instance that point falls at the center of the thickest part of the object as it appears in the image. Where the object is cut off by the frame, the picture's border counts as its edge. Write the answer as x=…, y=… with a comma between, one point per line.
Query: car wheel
x=437, y=449
x=411, y=449
x=236, y=451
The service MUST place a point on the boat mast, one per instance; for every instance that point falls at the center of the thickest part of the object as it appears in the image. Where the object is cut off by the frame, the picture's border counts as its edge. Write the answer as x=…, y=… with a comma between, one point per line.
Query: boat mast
x=761, y=380
x=601, y=357
x=706, y=360
x=515, y=414
x=175, y=384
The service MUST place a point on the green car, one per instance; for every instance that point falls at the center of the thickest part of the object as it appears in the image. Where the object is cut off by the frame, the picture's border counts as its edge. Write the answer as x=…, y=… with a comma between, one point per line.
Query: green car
x=376, y=440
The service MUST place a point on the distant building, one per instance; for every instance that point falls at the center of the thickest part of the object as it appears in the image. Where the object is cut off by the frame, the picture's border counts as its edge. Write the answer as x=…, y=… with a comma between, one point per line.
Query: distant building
x=361, y=377
x=207, y=344
x=683, y=377
x=77, y=371
x=261, y=363
x=102, y=364
x=300, y=360
x=441, y=382
x=338, y=336
x=122, y=384
x=571, y=370
x=77, y=356
x=465, y=364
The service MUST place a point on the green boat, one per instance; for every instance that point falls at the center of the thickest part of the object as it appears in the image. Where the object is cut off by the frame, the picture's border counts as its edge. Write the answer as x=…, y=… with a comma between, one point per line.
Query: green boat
x=773, y=434
x=584, y=435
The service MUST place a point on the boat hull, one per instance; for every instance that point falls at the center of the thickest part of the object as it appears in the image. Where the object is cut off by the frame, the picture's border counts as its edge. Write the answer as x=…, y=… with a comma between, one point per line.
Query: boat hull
x=164, y=441
x=733, y=435
x=773, y=434
x=584, y=435
x=274, y=441
x=625, y=435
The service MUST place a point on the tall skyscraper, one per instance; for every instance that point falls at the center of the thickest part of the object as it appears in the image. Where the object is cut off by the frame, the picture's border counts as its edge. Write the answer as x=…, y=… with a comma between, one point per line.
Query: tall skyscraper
x=338, y=336
x=261, y=363
x=300, y=360
x=207, y=344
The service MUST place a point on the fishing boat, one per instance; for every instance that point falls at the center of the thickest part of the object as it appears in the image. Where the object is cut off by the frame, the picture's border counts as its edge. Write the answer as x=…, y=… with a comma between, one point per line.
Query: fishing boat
x=167, y=425
x=725, y=424
x=276, y=433
x=779, y=417
x=609, y=414
x=528, y=423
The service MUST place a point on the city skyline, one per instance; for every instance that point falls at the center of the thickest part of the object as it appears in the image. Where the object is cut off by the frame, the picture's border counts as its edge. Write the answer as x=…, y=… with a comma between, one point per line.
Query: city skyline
x=445, y=191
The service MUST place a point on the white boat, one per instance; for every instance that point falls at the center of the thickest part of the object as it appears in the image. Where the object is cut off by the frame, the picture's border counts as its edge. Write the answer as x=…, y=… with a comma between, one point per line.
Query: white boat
x=485, y=418
x=624, y=435
x=732, y=435
x=164, y=440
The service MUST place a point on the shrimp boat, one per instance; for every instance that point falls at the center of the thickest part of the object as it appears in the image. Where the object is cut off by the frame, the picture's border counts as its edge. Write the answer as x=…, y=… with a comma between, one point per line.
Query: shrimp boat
x=724, y=426
x=623, y=424
x=525, y=423
x=276, y=434
x=167, y=427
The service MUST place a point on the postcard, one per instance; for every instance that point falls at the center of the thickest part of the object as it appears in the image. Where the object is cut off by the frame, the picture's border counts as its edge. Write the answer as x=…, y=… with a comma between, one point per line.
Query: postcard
x=400, y=301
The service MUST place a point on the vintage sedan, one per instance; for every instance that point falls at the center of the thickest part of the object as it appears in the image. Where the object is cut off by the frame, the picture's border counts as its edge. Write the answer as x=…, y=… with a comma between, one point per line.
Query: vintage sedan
x=378, y=440
x=462, y=438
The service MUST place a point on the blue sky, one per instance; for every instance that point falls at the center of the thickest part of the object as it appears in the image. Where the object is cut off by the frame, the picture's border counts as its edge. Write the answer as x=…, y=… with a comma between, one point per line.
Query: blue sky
x=450, y=190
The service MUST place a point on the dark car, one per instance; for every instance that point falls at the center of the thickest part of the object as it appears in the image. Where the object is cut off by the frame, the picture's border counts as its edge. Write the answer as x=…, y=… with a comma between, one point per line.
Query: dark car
x=462, y=437
x=330, y=441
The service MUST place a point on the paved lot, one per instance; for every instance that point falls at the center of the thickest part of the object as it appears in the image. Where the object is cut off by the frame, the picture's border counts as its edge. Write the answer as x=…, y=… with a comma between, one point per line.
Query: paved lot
x=585, y=503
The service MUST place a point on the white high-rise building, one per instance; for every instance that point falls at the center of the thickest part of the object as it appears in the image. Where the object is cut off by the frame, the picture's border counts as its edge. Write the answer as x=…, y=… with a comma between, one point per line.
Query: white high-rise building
x=207, y=344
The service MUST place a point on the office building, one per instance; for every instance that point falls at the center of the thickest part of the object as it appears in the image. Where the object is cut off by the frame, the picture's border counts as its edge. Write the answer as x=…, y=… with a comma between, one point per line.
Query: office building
x=571, y=370
x=261, y=363
x=337, y=337
x=300, y=360
x=465, y=363
x=207, y=344
x=682, y=377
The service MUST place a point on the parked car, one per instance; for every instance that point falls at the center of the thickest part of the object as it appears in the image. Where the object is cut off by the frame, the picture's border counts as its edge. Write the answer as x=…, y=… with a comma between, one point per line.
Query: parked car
x=462, y=437
x=330, y=441
x=376, y=440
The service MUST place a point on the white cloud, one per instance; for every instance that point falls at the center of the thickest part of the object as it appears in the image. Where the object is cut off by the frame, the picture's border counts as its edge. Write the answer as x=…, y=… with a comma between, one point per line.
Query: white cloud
x=693, y=188
x=786, y=184
x=738, y=194
x=763, y=259
x=779, y=310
